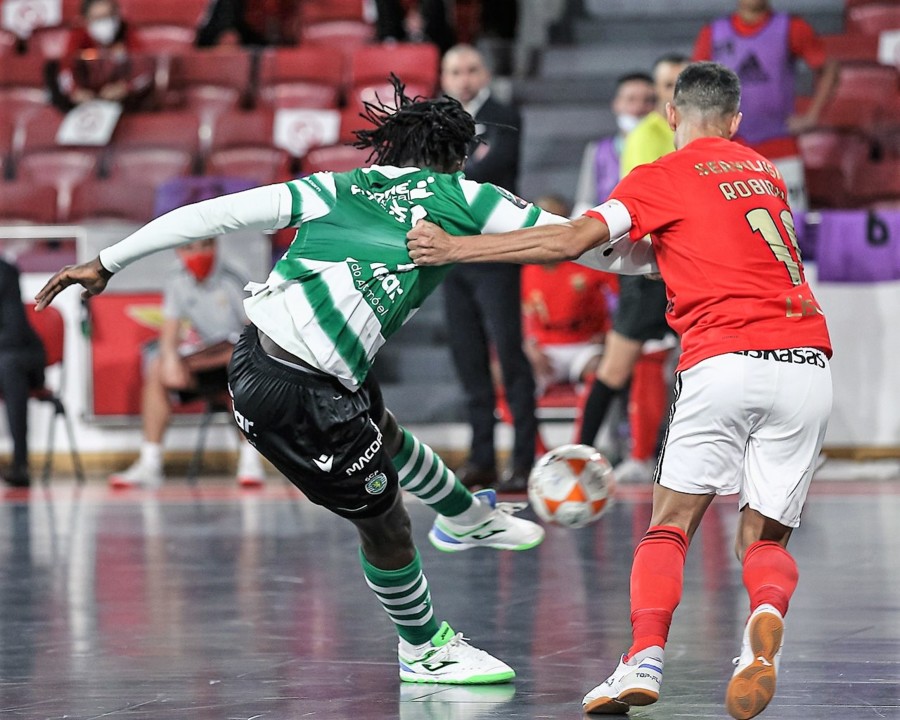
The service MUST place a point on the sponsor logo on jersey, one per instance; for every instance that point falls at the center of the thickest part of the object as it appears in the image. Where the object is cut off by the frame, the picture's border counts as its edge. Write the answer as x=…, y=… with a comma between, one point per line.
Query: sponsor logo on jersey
x=369, y=453
x=398, y=198
x=376, y=483
x=514, y=199
x=795, y=356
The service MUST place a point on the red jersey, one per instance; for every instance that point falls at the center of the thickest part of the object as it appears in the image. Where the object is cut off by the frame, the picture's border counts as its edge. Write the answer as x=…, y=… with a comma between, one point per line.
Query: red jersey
x=565, y=303
x=725, y=245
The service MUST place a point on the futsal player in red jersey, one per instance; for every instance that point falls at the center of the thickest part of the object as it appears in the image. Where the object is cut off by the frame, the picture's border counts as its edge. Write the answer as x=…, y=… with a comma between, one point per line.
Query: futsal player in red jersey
x=753, y=383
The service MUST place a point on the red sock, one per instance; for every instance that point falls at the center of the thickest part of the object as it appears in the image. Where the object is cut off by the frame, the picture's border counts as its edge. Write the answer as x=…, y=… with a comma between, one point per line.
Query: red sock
x=656, y=579
x=647, y=404
x=770, y=575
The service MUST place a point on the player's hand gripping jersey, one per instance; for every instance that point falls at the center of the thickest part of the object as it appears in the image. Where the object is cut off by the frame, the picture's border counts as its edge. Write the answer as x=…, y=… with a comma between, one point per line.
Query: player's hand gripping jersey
x=346, y=282
x=731, y=286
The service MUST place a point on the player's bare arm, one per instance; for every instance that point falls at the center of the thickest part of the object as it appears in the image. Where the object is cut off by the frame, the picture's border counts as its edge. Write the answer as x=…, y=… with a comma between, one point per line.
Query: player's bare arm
x=428, y=244
x=92, y=276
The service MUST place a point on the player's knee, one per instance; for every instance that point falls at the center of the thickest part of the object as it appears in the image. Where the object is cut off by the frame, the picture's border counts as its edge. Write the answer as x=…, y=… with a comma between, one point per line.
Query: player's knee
x=391, y=433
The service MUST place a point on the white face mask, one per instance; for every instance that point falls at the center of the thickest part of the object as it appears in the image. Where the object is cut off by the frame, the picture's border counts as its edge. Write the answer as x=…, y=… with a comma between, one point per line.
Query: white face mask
x=104, y=30
x=627, y=123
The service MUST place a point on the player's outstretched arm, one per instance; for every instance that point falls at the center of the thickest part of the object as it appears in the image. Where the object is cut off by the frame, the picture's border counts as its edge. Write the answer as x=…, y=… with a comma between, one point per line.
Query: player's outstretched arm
x=92, y=276
x=428, y=244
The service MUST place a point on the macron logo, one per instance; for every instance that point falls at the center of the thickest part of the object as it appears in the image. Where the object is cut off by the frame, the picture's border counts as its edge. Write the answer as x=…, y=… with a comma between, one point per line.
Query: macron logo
x=324, y=462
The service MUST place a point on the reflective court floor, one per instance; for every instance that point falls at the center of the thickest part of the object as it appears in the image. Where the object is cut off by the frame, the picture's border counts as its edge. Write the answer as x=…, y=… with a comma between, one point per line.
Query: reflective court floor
x=218, y=604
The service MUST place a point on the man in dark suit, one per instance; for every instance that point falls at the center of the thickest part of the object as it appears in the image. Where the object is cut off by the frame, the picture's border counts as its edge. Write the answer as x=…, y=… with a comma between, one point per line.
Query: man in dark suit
x=21, y=369
x=483, y=301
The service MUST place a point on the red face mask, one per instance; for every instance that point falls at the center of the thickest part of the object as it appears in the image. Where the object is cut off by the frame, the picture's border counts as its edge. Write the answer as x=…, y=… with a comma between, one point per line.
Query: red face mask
x=199, y=263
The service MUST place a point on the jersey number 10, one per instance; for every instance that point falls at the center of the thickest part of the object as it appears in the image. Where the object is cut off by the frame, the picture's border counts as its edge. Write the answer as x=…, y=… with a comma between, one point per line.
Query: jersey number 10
x=780, y=243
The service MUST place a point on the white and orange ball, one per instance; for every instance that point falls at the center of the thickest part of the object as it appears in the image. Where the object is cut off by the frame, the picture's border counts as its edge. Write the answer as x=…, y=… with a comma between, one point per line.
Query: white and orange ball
x=571, y=486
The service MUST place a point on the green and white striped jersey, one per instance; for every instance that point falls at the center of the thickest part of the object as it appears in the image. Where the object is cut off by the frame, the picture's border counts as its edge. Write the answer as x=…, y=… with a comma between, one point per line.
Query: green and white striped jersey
x=346, y=283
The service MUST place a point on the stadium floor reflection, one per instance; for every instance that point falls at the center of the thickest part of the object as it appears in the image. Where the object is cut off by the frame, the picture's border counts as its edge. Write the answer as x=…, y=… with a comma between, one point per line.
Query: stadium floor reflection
x=211, y=603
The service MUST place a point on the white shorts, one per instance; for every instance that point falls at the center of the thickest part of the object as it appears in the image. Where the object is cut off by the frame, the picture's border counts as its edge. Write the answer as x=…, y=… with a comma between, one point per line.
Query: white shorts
x=750, y=422
x=568, y=361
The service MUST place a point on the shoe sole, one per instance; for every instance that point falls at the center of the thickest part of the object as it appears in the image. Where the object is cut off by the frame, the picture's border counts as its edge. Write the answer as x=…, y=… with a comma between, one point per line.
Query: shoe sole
x=620, y=705
x=448, y=547
x=491, y=679
x=751, y=690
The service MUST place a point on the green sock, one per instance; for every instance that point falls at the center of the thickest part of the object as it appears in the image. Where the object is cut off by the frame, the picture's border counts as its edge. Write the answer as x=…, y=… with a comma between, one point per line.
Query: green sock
x=404, y=595
x=424, y=474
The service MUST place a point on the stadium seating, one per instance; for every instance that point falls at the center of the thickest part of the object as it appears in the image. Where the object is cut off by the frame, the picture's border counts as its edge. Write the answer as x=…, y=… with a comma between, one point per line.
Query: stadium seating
x=27, y=202
x=166, y=39
x=416, y=64
x=831, y=159
x=315, y=11
x=18, y=71
x=877, y=181
x=867, y=80
x=192, y=72
x=262, y=165
x=95, y=200
x=150, y=165
x=172, y=130
x=303, y=77
x=873, y=18
x=61, y=168
x=49, y=43
x=8, y=43
x=243, y=128
x=184, y=13
x=334, y=158
x=36, y=126
x=851, y=47
x=351, y=120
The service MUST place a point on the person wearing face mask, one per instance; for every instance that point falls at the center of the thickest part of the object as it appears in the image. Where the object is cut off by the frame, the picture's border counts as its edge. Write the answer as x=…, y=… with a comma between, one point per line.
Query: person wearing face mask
x=634, y=98
x=203, y=315
x=103, y=60
x=638, y=344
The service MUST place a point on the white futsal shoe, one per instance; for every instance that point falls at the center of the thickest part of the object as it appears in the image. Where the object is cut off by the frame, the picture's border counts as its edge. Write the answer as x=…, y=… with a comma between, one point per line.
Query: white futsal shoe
x=447, y=658
x=498, y=530
x=753, y=684
x=634, y=471
x=635, y=682
x=140, y=474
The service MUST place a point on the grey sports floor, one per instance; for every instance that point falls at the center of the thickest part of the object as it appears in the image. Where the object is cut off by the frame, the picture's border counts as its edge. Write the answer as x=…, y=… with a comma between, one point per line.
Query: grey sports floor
x=213, y=603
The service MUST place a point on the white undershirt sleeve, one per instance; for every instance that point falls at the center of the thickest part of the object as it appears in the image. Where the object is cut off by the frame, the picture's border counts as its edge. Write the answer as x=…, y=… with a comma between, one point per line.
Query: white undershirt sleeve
x=263, y=208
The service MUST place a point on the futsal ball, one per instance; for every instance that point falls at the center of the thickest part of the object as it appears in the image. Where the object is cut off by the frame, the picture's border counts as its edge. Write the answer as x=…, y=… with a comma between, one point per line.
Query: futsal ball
x=571, y=486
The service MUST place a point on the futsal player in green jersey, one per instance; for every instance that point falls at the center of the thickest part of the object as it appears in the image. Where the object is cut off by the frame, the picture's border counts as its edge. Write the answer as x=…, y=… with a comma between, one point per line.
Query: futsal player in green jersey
x=303, y=394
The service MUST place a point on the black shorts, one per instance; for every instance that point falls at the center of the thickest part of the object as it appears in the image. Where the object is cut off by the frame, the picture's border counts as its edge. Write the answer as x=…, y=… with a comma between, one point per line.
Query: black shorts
x=319, y=434
x=641, y=312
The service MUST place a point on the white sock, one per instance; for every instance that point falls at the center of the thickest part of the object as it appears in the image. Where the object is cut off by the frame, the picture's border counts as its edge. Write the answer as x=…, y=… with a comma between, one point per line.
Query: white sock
x=478, y=512
x=151, y=454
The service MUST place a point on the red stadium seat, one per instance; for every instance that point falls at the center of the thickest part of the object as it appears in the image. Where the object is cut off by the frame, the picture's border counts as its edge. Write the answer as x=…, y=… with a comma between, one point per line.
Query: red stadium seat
x=343, y=36
x=24, y=201
x=241, y=129
x=22, y=71
x=95, y=200
x=71, y=11
x=877, y=181
x=851, y=113
x=851, y=47
x=149, y=165
x=8, y=43
x=301, y=77
x=217, y=68
x=49, y=43
x=350, y=121
x=36, y=125
x=334, y=158
x=171, y=129
x=64, y=169
x=166, y=39
x=384, y=93
x=867, y=81
x=416, y=64
x=316, y=11
x=186, y=13
x=831, y=159
x=262, y=165
x=873, y=18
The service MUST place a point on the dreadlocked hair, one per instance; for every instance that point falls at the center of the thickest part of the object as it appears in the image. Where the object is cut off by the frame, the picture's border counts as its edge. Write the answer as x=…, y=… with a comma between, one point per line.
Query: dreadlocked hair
x=435, y=132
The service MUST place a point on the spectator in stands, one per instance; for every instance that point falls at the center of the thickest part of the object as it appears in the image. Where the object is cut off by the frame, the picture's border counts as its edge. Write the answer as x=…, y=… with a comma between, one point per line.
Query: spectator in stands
x=483, y=301
x=207, y=297
x=639, y=324
x=565, y=308
x=250, y=23
x=414, y=21
x=21, y=370
x=634, y=98
x=102, y=60
x=762, y=47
